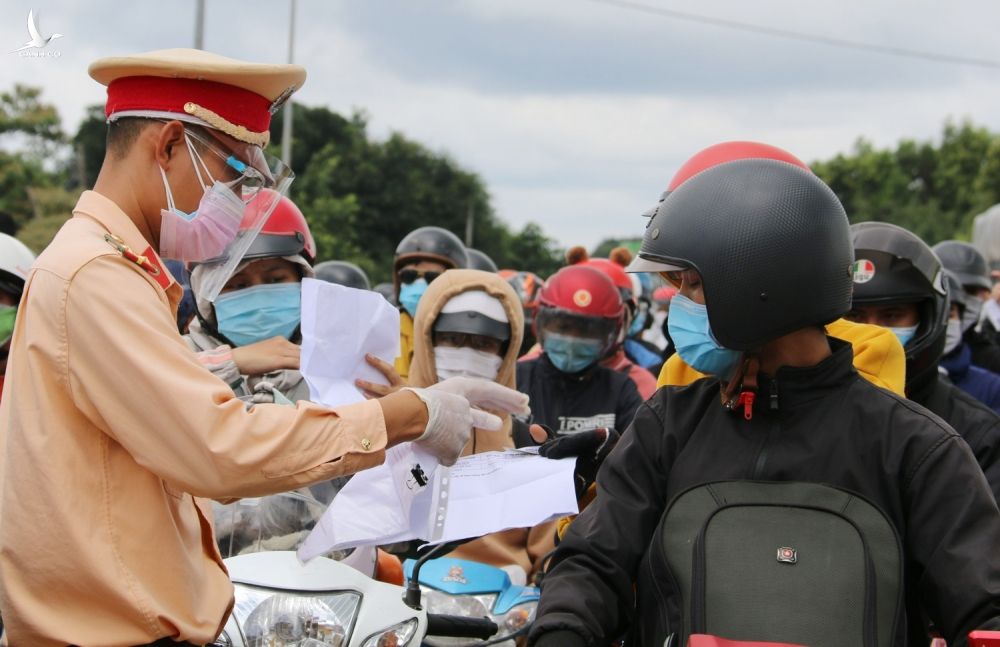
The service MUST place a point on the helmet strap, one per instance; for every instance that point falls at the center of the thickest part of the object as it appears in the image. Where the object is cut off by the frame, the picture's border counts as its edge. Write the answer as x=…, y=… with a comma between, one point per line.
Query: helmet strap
x=741, y=389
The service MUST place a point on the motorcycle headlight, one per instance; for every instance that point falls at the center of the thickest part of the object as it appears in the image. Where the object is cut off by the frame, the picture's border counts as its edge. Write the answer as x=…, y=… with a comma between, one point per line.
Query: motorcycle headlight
x=469, y=606
x=395, y=636
x=274, y=619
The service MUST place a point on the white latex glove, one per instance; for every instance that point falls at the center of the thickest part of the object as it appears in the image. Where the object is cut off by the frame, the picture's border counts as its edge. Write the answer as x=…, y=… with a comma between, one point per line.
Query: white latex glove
x=486, y=394
x=451, y=416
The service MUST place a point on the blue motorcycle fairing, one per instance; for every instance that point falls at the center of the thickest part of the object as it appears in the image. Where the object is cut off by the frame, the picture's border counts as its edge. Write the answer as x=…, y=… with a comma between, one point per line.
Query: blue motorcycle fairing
x=462, y=577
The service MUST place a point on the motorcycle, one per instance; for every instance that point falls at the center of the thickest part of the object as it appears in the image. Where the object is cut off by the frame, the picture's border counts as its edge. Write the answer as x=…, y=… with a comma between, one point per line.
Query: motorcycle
x=976, y=639
x=332, y=601
x=470, y=589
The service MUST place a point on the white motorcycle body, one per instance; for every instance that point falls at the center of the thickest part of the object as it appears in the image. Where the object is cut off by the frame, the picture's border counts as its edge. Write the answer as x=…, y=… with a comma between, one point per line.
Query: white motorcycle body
x=281, y=602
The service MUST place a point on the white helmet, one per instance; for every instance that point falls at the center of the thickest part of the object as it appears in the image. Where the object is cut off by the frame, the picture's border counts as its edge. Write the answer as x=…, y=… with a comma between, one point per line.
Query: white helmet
x=15, y=263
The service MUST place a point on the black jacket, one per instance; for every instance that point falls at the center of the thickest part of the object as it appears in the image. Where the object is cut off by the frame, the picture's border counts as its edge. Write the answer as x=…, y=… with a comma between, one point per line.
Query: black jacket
x=594, y=398
x=974, y=421
x=829, y=426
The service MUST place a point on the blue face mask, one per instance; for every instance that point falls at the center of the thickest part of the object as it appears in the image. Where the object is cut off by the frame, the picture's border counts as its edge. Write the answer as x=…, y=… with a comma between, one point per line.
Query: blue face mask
x=258, y=313
x=904, y=334
x=571, y=354
x=637, y=324
x=410, y=293
x=692, y=336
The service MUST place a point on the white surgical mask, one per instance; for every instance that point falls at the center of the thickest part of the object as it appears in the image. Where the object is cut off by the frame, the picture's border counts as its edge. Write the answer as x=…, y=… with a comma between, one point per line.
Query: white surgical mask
x=466, y=362
x=953, y=337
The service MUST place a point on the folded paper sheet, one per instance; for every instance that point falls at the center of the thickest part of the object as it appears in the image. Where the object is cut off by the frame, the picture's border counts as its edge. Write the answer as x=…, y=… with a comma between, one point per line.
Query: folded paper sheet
x=410, y=496
x=339, y=326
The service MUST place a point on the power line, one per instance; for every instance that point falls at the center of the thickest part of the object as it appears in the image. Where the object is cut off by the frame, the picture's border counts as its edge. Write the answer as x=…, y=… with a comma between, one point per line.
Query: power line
x=801, y=36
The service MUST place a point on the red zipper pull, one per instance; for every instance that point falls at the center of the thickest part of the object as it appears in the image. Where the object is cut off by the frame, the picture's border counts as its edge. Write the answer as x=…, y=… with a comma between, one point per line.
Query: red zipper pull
x=746, y=399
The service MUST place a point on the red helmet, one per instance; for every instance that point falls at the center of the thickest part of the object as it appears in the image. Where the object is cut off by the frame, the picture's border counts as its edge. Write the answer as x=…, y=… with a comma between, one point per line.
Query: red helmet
x=583, y=300
x=616, y=273
x=286, y=233
x=664, y=294
x=729, y=152
x=704, y=160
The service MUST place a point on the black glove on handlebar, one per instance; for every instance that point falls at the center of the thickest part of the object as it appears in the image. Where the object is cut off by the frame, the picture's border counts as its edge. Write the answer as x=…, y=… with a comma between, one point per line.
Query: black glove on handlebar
x=590, y=449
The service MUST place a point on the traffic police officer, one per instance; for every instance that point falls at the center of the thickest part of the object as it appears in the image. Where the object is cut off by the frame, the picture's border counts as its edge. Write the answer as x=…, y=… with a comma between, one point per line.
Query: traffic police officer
x=114, y=432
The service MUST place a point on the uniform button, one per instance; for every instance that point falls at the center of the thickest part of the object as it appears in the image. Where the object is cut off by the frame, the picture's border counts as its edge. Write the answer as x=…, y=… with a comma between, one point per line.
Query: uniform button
x=367, y=444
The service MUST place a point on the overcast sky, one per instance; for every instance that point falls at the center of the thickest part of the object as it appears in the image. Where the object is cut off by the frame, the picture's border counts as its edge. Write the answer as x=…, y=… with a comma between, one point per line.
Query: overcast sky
x=575, y=113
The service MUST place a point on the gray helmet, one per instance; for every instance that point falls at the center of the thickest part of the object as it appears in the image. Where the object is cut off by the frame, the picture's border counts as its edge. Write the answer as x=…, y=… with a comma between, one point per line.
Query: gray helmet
x=432, y=243
x=343, y=273
x=965, y=261
x=770, y=241
x=895, y=266
x=956, y=291
x=480, y=261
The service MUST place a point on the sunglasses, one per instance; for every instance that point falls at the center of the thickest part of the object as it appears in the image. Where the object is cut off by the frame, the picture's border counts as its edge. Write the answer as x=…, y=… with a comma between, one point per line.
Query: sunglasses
x=677, y=277
x=466, y=340
x=409, y=276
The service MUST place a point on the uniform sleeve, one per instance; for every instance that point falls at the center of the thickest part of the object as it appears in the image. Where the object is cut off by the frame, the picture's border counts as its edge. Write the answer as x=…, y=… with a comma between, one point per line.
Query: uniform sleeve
x=133, y=376
x=952, y=533
x=588, y=589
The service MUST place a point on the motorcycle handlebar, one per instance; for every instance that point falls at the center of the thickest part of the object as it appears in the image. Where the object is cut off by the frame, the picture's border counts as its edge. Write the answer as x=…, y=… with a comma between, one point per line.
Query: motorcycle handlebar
x=460, y=627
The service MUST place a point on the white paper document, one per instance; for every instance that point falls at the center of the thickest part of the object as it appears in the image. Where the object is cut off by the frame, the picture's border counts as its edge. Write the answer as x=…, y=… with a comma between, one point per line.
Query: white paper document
x=410, y=496
x=339, y=326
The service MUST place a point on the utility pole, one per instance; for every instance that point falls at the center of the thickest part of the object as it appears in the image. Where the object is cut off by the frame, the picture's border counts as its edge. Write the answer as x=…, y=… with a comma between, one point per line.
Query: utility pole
x=199, y=24
x=470, y=221
x=286, y=117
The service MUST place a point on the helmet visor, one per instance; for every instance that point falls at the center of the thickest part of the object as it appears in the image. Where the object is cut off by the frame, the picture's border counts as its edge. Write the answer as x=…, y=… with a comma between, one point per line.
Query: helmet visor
x=565, y=322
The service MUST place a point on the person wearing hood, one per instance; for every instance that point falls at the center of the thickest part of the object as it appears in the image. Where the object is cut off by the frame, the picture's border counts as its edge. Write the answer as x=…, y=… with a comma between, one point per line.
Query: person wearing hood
x=981, y=384
x=249, y=338
x=981, y=313
x=470, y=323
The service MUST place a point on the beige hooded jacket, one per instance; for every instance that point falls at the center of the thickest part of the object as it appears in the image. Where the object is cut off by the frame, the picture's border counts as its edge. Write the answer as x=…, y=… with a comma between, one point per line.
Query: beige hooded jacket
x=524, y=547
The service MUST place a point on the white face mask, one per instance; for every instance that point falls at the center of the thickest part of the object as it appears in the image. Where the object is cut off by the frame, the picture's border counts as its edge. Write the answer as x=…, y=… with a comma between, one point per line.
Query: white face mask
x=953, y=337
x=465, y=362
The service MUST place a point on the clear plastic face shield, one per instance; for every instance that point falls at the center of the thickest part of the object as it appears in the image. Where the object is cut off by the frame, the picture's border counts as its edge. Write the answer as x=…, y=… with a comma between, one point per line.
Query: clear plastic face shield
x=263, y=181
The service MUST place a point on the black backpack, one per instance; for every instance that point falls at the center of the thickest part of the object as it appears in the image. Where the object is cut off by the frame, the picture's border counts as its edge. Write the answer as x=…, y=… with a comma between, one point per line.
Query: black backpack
x=789, y=562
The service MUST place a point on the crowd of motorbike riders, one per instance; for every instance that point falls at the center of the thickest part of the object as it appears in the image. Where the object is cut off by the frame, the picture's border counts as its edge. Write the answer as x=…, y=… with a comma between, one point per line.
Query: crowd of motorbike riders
x=592, y=344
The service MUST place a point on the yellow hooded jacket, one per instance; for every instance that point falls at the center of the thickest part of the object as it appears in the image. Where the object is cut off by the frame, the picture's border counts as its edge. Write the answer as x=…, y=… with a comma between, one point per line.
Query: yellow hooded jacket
x=521, y=546
x=878, y=357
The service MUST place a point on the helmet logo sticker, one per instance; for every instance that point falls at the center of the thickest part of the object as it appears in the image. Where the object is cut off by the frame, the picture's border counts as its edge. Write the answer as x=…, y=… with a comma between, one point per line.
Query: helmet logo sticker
x=582, y=298
x=862, y=271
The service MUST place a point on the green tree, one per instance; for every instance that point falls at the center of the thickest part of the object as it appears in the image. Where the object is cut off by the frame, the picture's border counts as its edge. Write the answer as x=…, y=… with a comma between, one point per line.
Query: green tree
x=934, y=190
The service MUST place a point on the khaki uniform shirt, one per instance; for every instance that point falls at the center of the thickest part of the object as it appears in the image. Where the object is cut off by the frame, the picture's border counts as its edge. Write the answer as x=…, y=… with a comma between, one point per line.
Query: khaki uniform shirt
x=111, y=431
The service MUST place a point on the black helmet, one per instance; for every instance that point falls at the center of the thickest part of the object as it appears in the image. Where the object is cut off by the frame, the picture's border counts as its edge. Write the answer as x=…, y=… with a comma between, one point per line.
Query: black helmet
x=965, y=261
x=770, y=241
x=387, y=291
x=343, y=273
x=480, y=261
x=432, y=243
x=895, y=266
